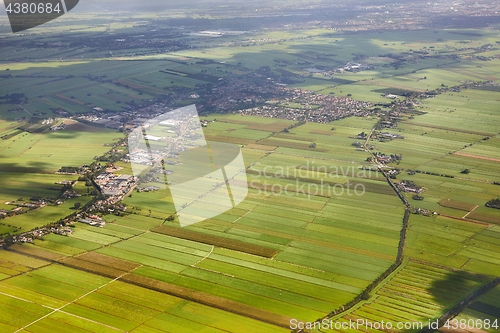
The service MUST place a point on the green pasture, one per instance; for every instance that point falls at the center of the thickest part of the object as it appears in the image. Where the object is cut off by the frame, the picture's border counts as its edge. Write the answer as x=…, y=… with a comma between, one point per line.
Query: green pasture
x=251, y=295
x=38, y=153
x=464, y=245
x=468, y=111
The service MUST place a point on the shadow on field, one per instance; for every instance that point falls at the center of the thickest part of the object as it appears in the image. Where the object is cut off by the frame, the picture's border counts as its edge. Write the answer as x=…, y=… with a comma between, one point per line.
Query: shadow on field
x=33, y=167
x=454, y=287
x=26, y=189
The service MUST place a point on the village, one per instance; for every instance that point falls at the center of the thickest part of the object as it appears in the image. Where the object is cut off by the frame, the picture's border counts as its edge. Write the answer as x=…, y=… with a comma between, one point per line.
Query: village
x=23, y=206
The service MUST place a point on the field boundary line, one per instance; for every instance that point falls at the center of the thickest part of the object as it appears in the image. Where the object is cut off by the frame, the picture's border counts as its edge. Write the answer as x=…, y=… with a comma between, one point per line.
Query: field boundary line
x=478, y=157
x=125, y=226
x=25, y=110
x=435, y=265
x=242, y=216
x=67, y=313
x=90, y=320
x=375, y=290
x=468, y=260
x=449, y=128
x=25, y=300
x=214, y=301
x=314, y=218
x=205, y=257
x=216, y=272
x=133, y=237
x=315, y=242
x=465, y=216
x=466, y=220
x=75, y=300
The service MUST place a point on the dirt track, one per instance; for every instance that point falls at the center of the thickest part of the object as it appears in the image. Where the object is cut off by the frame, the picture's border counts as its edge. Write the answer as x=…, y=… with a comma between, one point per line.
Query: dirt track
x=478, y=157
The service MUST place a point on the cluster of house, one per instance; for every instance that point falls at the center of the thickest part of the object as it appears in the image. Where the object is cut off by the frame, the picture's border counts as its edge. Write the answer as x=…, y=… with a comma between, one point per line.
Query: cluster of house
x=410, y=187
x=114, y=185
x=129, y=118
x=424, y=212
x=112, y=121
x=148, y=189
x=386, y=159
x=245, y=95
x=315, y=107
x=58, y=127
x=354, y=67
x=233, y=93
x=93, y=220
x=22, y=206
x=29, y=236
x=48, y=121
x=386, y=136
x=109, y=205
x=393, y=173
x=69, y=194
x=142, y=156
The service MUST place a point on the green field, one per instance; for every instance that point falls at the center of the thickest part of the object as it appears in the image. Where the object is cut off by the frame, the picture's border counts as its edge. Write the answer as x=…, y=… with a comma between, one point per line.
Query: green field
x=321, y=222
x=87, y=302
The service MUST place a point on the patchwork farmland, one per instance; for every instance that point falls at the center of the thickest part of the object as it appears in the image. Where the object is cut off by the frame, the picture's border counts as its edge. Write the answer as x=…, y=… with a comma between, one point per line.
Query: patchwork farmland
x=377, y=217
x=272, y=259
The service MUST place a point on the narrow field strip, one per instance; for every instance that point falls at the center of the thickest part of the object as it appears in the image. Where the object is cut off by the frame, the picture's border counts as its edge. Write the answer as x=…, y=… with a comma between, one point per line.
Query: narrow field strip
x=217, y=241
x=210, y=300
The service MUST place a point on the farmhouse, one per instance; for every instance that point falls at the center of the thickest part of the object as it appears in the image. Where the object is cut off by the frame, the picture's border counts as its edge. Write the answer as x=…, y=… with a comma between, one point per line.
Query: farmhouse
x=94, y=221
x=153, y=138
x=410, y=187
